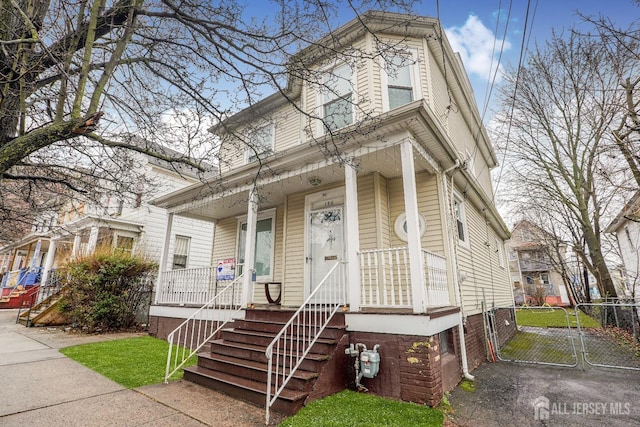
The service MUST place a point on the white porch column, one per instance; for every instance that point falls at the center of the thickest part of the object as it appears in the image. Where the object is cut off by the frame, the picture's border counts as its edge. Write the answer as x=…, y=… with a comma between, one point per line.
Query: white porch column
x=77, y=239
x=353, y=237
x=249, y=248
x=164, y=255
x=93, y=239
x=48, y=261
x=416, y=261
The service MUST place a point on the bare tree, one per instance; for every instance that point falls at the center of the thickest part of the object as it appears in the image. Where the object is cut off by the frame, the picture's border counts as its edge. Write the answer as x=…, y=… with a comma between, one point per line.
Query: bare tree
x=623, y=48
x=560, y=119
x=85, y=81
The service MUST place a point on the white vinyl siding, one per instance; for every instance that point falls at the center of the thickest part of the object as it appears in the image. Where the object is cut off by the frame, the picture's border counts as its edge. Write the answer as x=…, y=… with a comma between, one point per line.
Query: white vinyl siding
x=428, y=207
x=484, y=279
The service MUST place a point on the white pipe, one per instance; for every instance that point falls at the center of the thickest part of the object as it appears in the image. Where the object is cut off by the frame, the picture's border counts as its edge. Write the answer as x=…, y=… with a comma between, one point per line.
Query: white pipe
x=456, y=283
x=455, y=165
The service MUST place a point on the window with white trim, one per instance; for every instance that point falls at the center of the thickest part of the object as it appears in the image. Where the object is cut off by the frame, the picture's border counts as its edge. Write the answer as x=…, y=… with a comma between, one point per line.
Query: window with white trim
x=181, y=252
x=337, y=98
x=461, y=220
x=500, y=252
x=264, y=247
x=402, y=81
x=261, y=143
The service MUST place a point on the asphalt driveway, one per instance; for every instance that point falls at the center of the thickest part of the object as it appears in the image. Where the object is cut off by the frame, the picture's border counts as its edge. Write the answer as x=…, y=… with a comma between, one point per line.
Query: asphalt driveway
x=517, y=394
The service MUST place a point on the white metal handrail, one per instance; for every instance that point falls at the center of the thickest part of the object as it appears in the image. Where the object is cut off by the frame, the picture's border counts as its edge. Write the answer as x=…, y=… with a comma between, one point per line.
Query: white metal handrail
x=294, y=341
x=201, y=326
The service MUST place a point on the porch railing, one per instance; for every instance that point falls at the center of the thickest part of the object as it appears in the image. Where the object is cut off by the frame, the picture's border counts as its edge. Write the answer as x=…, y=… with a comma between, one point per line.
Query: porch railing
x=192, y=334
x=294, y=341
x=386, y=278
x=25, y=276
x=436, y=279
x=189, y=286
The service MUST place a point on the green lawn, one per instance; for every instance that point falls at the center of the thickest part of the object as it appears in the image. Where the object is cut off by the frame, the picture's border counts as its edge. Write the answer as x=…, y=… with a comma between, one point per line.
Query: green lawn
x=349, y=408
x=131, y=362
x=553, y=317
x=134, y=362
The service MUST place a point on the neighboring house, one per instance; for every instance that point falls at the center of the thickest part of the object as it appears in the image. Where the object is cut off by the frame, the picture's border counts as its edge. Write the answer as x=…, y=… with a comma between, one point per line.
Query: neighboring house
x=131, y=225
x=626, y=227
x=409, y=217
x=533, y=263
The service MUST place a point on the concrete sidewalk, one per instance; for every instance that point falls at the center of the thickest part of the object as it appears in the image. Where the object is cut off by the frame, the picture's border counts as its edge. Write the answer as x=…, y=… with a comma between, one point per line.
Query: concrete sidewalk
x=39, y=386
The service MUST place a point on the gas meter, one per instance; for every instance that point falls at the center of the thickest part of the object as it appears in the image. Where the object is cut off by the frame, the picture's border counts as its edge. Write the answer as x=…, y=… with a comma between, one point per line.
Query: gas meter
x=369, y=363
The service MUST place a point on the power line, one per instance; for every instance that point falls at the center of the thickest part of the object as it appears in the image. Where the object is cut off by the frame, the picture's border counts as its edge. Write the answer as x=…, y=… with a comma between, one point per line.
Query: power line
x=515, y=90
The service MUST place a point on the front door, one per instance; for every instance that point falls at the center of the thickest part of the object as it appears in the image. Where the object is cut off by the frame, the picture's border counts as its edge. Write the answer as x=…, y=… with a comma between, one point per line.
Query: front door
x=326, y=242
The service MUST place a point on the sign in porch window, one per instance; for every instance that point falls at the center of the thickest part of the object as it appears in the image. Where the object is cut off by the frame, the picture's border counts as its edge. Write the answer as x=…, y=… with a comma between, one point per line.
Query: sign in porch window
x=263, y=254
x=181, y=252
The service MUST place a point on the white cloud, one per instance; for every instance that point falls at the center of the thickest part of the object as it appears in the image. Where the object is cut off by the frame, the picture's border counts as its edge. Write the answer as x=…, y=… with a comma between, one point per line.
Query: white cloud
x=476, y=43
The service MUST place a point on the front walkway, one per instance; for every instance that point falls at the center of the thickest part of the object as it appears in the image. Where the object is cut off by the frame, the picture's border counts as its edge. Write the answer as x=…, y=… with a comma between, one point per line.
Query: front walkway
x=506, y=394
x=42, y=387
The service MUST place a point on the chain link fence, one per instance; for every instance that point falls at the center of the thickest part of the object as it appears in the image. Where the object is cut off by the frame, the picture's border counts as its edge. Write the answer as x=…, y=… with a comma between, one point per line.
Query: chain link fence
x=600, y=335
x=543, y=336
x=613, y=340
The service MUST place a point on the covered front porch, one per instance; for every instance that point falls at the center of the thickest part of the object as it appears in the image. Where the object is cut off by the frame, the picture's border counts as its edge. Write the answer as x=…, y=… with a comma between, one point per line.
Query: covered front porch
x=382, y=213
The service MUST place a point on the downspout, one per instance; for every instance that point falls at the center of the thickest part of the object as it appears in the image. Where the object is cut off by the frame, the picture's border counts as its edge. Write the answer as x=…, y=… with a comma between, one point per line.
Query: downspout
x=454, y=262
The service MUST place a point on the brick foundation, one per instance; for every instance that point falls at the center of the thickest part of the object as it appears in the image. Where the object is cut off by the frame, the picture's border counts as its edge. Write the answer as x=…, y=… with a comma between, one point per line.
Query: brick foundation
x=411, y=367
x=476, y=340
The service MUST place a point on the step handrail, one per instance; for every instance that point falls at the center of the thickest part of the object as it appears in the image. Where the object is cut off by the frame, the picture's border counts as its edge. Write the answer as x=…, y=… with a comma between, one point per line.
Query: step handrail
x=302, y=330
x=196, y=331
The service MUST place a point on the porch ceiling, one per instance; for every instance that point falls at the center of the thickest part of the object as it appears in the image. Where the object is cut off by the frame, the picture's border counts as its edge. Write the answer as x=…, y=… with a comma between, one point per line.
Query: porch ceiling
x=385, y=161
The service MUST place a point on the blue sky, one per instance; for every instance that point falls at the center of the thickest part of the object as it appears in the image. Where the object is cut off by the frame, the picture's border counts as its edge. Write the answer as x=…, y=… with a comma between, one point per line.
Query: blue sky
x=475, y=27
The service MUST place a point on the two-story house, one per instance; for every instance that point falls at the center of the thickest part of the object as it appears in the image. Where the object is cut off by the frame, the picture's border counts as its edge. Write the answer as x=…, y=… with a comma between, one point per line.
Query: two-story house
x=535, y=262
x=360, y=196
x=129, y=224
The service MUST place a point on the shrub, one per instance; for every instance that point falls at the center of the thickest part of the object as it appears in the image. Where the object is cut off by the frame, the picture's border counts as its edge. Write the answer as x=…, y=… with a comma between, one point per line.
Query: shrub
x=106, y=289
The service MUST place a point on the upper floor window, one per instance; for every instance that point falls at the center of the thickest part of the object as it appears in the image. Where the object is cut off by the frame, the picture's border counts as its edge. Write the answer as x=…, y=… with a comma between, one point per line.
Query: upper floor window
x=261, y=142
x=401, y=74
x=461, y=221
x=337, y=98
x=181, y=252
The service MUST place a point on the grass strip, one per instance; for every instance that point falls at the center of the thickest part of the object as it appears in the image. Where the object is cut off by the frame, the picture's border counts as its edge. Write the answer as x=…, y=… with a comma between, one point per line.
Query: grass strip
x=131, y=362
x=348, y=408
x=553, y=318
